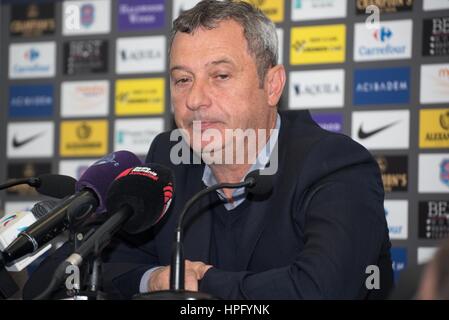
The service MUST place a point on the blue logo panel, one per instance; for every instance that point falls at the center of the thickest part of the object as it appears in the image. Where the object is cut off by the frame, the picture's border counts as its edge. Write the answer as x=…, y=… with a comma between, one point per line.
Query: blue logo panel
x=399, y=260
x=31, y=101
x=382, y=86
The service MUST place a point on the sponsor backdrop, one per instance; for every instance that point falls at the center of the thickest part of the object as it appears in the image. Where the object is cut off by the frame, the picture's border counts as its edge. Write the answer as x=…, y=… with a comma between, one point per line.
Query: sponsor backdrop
x=80, y=79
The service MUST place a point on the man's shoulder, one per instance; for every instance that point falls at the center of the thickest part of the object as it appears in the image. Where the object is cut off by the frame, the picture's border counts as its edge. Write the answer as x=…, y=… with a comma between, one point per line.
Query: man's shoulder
x=301, y=132
x=314, y=153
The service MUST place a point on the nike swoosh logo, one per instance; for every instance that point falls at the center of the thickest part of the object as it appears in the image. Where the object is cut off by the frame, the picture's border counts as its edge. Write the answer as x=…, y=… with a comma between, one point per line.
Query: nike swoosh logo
x=18, y=143
x=366, y=134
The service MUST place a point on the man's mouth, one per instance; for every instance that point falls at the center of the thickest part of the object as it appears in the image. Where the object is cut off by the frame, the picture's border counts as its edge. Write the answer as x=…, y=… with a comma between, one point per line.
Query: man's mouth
x=208, y=125
x=204, y=125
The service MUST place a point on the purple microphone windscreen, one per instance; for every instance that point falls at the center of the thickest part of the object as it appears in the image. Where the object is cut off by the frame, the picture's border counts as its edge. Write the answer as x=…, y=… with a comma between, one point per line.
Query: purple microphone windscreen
x=99, y=176
x=147, y=189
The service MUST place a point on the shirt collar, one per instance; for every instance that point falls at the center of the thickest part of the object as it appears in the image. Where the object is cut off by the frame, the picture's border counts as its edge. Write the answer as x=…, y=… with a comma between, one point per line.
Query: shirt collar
x=263, y=158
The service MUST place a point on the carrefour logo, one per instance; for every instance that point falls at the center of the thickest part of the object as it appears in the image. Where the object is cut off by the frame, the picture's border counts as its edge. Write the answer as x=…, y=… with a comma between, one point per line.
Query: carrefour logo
x=382, y=34
x=392, y=40
x=394, y=230
x=32, y=60
x=31, y=55
x=396, y=214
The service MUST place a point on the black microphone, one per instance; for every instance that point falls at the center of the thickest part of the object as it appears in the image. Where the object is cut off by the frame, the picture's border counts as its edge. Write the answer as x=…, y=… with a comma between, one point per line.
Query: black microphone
x=256, y=184
x=75, y=209
x=136, y=200
x=147, y=190
x=52, y=185
x=259, y=184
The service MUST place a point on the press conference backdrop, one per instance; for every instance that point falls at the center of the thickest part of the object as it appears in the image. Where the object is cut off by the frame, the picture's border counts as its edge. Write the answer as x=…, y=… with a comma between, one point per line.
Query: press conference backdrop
x=80, y=79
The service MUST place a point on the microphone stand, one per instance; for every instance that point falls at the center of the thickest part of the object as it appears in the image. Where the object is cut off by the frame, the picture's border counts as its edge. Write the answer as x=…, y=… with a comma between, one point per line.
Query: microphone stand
x=92, y=245
x=177, y=267
x=93, y=288
x=94, y=267
x=32, y=182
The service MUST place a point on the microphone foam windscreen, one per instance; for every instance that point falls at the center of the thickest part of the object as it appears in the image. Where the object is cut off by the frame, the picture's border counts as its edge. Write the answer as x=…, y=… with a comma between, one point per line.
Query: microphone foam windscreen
x=147, y=189
x=263, y=184
x=99, y=176
x=56, y=185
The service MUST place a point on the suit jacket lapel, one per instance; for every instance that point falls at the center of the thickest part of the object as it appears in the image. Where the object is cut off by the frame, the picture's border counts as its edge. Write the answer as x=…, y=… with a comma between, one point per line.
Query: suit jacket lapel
x=258, y=216
x=260, y=212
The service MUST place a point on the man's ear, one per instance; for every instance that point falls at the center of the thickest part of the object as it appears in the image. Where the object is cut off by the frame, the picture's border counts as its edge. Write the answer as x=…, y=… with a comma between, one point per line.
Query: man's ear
x=274, y=84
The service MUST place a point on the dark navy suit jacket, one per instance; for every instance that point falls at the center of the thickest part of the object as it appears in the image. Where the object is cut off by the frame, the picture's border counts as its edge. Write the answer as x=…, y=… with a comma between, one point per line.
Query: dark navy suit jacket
x=313, y=237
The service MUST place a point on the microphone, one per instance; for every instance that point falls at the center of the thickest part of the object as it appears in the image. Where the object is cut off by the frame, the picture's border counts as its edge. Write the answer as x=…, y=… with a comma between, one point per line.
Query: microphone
x=52, y=185
x=256, y=184
x=136, y=200
x=11, y=225
x=147, y=190
x=91, y=190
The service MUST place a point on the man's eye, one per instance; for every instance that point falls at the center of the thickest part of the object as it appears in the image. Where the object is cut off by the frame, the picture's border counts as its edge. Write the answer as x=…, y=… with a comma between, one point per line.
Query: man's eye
x=223, y=76
x=181, y=81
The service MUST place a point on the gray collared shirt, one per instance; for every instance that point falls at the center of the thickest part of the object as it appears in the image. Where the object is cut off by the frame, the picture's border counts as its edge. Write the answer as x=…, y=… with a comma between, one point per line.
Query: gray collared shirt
x=239, y=195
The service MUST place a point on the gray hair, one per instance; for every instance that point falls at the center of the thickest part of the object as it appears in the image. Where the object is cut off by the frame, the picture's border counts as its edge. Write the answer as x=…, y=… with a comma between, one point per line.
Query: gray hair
x=259, y=31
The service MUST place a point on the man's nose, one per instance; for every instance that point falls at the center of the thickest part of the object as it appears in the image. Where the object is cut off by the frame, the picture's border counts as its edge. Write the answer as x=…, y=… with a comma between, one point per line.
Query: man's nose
x=198, y=96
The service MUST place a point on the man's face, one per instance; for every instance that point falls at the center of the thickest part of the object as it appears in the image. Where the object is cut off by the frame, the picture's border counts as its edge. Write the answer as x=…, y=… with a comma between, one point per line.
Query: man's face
x=214, y=80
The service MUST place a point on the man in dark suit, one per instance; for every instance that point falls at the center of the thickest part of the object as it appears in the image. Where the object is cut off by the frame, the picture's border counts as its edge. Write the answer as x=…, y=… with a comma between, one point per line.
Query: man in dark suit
x=318, y=234
x=323, y=223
